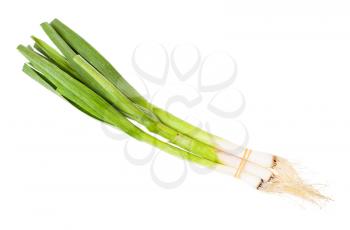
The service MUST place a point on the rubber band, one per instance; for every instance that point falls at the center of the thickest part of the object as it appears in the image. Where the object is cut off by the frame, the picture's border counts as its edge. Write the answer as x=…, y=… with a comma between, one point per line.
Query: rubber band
x=243, y=162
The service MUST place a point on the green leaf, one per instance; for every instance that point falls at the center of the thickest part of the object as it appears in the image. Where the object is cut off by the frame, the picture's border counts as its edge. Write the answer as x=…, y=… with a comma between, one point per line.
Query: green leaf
x=66, y=50
x=65, y=94
x=91, y=55
x=79, y=94
x=51, y=53
x=39, y=78
x=112, y=94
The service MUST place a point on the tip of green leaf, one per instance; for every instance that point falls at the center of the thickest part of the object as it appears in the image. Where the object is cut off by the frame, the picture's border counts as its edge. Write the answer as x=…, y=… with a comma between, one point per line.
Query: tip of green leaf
x=21, y=47
x=44, y=24
x=35, y=38
x=25, y=67
x=55, y=20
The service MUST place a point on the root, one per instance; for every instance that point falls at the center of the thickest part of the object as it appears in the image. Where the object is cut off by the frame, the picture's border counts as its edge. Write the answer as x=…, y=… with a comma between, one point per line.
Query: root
x=285, y=179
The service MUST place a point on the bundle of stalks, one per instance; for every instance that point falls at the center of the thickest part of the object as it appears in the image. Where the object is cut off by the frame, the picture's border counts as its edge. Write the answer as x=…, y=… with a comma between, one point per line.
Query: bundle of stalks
x=83, y=77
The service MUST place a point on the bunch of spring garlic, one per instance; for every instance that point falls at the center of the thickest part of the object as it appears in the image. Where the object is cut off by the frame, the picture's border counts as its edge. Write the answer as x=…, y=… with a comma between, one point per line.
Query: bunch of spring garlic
x=83, y=77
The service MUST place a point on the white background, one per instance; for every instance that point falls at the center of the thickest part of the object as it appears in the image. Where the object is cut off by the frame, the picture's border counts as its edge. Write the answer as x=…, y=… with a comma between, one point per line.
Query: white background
x=59, y=170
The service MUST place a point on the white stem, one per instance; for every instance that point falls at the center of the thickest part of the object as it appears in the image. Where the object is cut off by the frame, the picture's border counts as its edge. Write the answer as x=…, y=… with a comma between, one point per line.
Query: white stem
x=260, y=158
x=234, y=162
x=248, y=178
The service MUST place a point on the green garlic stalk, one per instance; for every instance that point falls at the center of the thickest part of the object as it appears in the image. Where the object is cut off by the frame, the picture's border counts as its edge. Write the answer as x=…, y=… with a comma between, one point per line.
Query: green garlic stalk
x=95, y=80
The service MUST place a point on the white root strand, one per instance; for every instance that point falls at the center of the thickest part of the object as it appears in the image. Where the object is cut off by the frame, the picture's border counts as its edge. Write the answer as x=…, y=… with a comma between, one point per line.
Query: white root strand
x=285, y=179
